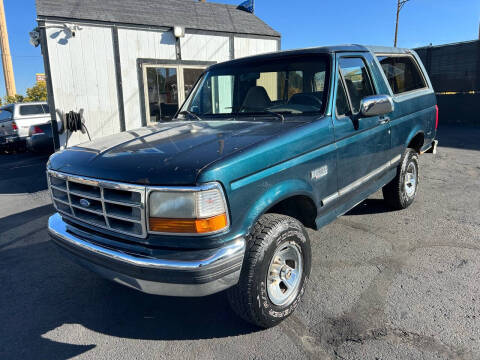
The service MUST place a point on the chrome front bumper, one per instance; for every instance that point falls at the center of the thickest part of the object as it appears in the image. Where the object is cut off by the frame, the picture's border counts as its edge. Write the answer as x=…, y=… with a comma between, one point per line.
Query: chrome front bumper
x=182, y=273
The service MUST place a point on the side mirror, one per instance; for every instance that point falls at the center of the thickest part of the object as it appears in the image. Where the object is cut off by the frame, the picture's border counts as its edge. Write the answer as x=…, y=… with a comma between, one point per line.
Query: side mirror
x=376, y=105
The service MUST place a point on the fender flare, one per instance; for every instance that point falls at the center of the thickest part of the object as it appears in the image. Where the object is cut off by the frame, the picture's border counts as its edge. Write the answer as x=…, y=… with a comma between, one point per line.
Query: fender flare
x=276, y=194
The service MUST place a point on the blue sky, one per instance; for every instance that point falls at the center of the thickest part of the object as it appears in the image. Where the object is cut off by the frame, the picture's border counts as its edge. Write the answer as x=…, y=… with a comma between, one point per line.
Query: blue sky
x=302, y=23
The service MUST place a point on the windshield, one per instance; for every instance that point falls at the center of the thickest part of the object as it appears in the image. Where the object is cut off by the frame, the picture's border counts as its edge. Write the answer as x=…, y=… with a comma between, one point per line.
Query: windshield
x=289, y=86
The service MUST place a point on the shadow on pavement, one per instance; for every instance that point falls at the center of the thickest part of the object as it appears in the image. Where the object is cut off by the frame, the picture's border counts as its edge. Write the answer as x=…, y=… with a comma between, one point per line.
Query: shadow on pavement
x=370, y=206
x=19, y=219
x=43, y=291
x=22, y=173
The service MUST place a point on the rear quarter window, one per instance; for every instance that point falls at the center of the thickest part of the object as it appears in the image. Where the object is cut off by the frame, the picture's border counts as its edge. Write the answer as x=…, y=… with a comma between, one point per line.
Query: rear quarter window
x=402, y=73
x=31, y=109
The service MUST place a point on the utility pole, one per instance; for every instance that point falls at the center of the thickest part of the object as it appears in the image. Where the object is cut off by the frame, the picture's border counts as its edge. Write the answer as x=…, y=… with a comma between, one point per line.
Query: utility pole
x=6, y=57
x=399, y=7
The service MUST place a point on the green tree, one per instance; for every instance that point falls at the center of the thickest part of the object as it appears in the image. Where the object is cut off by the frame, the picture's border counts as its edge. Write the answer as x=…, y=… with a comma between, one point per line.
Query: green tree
x=13, y=99
x=37, y=92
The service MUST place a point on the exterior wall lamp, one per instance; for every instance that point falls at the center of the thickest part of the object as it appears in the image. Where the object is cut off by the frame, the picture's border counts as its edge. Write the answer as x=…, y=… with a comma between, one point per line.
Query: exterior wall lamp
x=179, y=31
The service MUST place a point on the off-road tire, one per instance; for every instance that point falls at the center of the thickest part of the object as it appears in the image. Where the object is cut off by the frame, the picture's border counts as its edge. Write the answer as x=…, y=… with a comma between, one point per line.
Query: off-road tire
x=249, y=298
x=394, y=192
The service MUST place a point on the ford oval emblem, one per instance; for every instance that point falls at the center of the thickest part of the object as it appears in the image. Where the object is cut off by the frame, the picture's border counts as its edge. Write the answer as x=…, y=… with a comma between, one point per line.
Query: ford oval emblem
x=84, y=202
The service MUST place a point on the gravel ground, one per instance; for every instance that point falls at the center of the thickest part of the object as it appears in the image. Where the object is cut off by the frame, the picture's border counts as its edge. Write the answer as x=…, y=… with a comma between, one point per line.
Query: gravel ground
x=384, y=285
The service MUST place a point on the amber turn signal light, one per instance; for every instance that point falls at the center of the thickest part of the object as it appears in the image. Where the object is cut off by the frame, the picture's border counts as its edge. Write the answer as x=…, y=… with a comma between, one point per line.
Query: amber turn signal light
x=185, y=226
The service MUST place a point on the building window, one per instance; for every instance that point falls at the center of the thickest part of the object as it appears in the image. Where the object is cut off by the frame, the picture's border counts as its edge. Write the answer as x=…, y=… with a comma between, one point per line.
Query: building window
x=166, y=87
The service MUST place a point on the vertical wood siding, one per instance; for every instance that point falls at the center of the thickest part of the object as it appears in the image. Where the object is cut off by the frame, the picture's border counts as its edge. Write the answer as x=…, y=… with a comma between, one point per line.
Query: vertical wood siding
x=83, y=77
x=83, y=69
x=135, y=44
x=205, y=48
x=248, y=46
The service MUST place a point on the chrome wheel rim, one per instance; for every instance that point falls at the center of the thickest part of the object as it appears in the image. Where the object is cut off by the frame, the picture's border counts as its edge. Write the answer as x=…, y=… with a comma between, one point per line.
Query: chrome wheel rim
x=285, y=274
x=410, y=179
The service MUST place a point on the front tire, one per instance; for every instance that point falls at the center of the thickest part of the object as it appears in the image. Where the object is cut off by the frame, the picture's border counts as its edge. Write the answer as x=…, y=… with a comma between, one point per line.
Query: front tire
x=401, y=191
x=275, y=271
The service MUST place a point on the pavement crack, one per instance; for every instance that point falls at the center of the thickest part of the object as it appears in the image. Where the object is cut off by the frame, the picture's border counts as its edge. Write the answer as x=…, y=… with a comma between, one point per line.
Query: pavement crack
x=425, y=343
x=297, y=331
x=433, y=245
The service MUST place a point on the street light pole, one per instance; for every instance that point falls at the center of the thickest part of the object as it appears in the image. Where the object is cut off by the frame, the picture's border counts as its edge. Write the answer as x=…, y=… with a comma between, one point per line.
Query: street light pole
x=399, y=7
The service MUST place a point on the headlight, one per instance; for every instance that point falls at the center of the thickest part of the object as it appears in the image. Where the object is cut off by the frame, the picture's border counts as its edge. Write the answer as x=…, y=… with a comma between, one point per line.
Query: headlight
x=199, y=210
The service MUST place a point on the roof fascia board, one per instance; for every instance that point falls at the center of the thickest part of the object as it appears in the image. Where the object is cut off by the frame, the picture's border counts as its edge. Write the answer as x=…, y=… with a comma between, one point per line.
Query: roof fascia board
x=62, y=20
x=228, y=33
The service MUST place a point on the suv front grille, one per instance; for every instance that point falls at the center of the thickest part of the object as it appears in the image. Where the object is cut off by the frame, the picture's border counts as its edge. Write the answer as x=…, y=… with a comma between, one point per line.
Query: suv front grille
x=109, y=205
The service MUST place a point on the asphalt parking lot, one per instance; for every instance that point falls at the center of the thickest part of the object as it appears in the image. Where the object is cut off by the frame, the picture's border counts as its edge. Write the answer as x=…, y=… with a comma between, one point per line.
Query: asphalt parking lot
x=384, y=285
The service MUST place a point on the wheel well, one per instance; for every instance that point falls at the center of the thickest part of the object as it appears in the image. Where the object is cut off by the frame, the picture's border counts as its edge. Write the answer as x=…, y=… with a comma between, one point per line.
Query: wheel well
x=300, y=207
x=417, y=142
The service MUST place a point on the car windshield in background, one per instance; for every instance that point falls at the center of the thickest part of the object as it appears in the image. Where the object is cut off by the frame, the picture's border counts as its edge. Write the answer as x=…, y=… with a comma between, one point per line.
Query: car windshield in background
x=37, y=109
x=294, y=85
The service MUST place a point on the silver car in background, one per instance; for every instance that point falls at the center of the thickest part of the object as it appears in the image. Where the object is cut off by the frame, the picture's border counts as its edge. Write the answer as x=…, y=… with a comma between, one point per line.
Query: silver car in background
x=7, y=128
x=9, y=139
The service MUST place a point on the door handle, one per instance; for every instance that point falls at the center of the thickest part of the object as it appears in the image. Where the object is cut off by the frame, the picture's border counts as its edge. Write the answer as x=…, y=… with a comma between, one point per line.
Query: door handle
x=384, y=120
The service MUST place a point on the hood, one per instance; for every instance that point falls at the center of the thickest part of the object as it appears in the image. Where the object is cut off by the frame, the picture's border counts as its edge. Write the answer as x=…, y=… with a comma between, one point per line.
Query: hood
x=165, y=154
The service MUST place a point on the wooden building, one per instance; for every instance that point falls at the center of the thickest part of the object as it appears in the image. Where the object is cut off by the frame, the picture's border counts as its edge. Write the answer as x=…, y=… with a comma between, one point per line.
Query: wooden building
x=126, y=64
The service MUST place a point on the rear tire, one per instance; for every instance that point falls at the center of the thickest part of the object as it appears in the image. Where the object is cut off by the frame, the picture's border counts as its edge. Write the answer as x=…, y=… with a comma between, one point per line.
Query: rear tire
x=275, y=271
x=401, y=191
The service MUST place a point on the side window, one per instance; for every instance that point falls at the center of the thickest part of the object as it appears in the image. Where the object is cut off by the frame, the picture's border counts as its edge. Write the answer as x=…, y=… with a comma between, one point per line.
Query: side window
x=215, y=97
x=295, y=83
x=402, y=73
x=31, y=110
x=319, y=81
x=341, y=102
x=288, y=84
x=357, y=80
x=222, y=94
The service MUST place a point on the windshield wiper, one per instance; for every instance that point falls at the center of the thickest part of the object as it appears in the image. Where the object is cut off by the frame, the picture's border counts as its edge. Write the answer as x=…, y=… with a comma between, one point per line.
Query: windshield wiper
x=191, y=114
x=277, y=114
x=267, y=112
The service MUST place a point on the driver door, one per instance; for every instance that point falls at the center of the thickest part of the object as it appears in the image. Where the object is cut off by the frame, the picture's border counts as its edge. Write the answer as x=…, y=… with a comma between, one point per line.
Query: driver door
x=363, y=143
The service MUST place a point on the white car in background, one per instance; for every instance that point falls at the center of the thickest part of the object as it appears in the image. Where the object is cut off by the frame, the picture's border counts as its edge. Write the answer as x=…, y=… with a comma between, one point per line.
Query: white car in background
x=26, y=115
x=18, y=120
